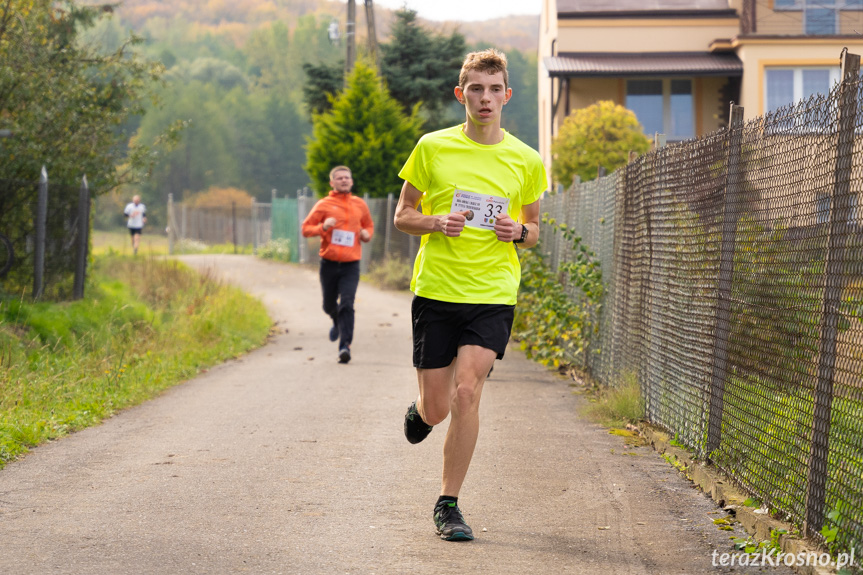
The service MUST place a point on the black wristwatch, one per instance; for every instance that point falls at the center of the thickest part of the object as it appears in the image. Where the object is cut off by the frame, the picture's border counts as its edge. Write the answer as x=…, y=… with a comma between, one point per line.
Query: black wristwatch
x=523, y=235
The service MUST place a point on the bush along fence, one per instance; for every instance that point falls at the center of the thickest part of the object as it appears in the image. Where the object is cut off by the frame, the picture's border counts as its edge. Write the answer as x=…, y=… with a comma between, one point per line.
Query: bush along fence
x=732, y=268
x=48, y=227
x=260, y=225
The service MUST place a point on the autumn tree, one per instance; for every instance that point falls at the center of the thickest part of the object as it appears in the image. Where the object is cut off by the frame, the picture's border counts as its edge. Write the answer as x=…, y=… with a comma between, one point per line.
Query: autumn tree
x=600, y=135
x=365, y=130
x=221, y=200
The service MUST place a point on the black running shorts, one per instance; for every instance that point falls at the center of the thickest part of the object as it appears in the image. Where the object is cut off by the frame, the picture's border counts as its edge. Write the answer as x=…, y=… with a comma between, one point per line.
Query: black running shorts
x=440, y=328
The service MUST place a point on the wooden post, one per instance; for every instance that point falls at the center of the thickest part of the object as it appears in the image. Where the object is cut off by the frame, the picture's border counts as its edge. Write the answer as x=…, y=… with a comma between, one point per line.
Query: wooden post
x=41, y=232
x=839, y=218
x=83, y=239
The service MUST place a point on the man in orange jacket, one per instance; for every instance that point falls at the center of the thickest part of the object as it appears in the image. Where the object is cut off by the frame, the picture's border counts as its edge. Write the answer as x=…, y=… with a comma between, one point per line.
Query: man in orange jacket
x=343, y=221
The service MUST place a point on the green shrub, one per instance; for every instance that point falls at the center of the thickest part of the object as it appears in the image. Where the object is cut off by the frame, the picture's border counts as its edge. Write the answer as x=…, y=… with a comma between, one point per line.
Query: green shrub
x=392, y=274
x=619, y=404
x=554, y=327
x=278, y=250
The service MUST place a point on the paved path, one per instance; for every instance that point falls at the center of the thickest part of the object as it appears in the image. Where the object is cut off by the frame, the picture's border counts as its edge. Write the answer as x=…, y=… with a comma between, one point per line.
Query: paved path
x=286, y=462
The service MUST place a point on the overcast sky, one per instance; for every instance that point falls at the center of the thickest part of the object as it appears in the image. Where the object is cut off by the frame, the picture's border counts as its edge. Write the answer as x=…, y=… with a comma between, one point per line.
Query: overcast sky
x=462, y=9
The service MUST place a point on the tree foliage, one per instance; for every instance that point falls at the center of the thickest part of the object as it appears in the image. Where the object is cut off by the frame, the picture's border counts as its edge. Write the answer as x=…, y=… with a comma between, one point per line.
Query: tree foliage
x=420, y=67
x=323, y=82
x=600, y=135
x=367, y=131
x=64, y=100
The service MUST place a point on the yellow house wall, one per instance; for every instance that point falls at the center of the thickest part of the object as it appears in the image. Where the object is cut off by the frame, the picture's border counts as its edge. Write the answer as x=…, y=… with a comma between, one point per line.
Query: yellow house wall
x=547, y=33
x=642, y=35
x=757, y=55
x=708, y=100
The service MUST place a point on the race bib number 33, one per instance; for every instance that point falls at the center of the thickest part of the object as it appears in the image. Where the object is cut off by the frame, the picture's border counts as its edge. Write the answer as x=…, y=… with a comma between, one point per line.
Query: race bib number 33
x=483, y=210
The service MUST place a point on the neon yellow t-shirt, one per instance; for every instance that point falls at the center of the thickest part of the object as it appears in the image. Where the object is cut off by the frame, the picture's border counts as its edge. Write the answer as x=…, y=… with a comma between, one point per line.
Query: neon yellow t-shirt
x=475, y=267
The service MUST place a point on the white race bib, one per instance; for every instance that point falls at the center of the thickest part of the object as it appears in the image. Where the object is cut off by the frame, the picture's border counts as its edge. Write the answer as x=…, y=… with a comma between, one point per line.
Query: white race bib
x=343, y=238
x=483, y=210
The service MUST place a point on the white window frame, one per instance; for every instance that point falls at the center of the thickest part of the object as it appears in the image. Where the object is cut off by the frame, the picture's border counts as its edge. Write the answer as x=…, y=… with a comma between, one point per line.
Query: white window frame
x=835, y=76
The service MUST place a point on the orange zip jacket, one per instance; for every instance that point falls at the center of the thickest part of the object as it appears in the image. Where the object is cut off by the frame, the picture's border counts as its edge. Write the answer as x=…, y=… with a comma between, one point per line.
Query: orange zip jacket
x=352, y=215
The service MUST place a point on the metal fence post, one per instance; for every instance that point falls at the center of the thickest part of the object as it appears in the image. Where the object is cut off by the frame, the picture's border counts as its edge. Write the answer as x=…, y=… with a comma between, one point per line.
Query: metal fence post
x=301, y=242
x=172, y=224
x=733, y=185
x=389, y=227
x=838, y=225
x=366, y=254
x=254, y=215
x=234, y=225
x=41, y=222
x=83, y=239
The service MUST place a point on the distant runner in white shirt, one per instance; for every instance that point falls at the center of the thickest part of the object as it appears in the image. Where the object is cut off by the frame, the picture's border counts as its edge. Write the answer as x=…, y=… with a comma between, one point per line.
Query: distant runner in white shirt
x=137, y=214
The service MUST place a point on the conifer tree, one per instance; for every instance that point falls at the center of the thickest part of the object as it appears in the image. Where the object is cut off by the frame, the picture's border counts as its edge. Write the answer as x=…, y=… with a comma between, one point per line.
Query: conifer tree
x=367, y=131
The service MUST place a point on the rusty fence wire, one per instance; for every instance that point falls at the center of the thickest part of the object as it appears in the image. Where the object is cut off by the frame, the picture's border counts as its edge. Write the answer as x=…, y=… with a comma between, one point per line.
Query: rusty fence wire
x=733, y=267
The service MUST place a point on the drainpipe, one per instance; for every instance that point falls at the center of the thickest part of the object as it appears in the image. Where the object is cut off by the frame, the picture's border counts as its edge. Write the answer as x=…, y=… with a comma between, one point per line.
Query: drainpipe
x=551, y=94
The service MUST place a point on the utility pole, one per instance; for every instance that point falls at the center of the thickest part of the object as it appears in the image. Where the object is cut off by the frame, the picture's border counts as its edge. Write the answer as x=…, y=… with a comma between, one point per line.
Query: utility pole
x=372, y=36
x=351, y=37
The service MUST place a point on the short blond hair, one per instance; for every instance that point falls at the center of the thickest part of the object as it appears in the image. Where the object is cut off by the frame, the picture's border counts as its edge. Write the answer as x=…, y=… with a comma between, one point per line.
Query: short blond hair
x=341, y=169
x=490, y=61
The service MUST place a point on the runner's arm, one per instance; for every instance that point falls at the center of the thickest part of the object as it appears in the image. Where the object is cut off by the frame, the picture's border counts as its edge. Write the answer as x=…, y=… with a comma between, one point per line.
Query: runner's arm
x=530, y=220
x=410, y=220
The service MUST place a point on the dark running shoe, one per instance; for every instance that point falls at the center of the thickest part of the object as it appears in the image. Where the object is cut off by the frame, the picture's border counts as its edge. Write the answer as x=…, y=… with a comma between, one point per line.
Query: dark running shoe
x=344, y=355
x=415, y=428
x=449, y=522
x=334, y=332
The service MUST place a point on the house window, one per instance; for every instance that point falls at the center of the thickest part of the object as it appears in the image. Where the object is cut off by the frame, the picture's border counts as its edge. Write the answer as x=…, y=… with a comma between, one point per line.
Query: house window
x=822, y=208
x=820, y=17
x=784, y=86
x=665, y=106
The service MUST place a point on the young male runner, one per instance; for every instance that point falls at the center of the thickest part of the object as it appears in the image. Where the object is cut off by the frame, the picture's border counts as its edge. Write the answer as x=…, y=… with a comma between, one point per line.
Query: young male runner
x=343, y=221
x=466, y=273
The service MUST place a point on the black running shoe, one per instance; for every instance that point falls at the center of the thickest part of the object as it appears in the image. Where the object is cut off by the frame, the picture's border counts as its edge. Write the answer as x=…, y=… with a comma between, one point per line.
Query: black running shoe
x=334, y=332
x=344, y=355
x=415, y=428
x=449, y=522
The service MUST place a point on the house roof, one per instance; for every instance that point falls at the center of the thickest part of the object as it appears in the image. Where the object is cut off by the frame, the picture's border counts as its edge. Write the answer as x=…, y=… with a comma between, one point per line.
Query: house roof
x=643, y=8
x=618, y=64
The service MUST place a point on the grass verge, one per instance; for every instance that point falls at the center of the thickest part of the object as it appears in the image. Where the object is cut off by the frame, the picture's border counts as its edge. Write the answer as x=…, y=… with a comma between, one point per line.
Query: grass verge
x=616, y=406
x=145, y=325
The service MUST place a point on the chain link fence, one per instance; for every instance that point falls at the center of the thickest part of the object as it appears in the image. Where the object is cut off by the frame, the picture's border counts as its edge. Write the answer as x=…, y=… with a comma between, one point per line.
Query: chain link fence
x=47, y=225
x=733, y=267
x=259, y=223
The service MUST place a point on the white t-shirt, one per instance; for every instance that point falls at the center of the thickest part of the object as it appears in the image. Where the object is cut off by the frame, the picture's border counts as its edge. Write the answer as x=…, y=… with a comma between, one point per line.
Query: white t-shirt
x=136, y=214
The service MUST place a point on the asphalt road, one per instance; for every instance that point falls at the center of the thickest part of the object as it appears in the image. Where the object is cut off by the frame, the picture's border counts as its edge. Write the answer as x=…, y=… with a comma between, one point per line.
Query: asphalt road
x=285, y=461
